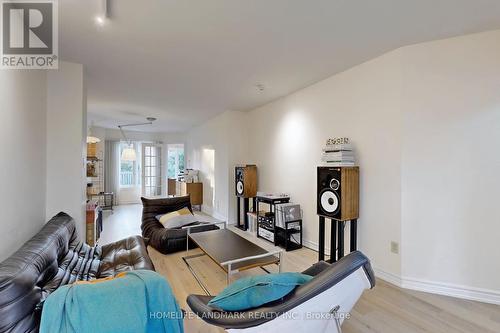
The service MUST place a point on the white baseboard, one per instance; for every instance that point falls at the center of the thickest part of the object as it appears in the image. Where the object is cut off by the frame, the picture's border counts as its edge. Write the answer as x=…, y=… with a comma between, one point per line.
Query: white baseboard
x=310, y=245
x=453, y=290
x=209, y=210
x=314, y=246
x=440, y=288
x=388, y=277
x=447, y=289
x=219, y=216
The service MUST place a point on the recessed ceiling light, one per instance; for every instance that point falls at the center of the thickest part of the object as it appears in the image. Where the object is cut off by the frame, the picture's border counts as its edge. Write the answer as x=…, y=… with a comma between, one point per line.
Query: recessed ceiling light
x=99, y=20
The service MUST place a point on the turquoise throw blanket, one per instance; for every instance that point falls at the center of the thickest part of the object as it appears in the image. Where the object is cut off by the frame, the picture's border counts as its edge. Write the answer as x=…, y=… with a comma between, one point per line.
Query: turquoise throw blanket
x=135, y=301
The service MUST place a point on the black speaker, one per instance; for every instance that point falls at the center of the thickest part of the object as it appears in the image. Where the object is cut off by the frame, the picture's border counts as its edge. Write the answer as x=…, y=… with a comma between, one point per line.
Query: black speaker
x=338, y=193
x=245, y=181
x=329, y=192
x=240, y=181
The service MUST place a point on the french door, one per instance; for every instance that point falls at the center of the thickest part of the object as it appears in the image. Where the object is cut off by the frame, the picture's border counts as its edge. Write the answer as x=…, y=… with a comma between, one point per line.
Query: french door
x=151, y=170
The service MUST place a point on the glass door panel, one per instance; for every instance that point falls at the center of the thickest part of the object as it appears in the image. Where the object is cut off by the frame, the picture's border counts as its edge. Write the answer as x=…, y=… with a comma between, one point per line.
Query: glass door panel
x=151, y=167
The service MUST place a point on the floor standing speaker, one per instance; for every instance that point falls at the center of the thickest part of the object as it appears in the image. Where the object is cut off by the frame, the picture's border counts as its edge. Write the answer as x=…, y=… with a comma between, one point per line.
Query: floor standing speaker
x=337, y=200
x=338, y=193
x=245, y=183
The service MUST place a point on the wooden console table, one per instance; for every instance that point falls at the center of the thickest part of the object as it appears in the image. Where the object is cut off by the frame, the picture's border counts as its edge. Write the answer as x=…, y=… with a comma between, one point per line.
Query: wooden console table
x=195, y=190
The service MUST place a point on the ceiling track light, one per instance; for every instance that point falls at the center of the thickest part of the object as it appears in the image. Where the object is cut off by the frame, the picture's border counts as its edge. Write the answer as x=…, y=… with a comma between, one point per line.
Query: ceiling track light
x=128, y=153
x=105, y=10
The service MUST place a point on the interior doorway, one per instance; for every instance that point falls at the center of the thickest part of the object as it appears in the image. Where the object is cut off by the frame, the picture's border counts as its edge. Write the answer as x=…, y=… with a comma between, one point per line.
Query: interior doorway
x=175, y=160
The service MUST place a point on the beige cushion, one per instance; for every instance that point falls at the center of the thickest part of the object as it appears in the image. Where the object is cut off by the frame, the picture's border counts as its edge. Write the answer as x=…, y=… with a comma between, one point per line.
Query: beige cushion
x=177, y=219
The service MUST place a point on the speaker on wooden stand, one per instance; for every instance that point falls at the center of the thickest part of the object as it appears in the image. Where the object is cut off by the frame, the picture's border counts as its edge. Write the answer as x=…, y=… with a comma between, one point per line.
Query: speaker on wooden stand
x=246, y=181
x=338, y=193
x=338, y=200
x=245, y=187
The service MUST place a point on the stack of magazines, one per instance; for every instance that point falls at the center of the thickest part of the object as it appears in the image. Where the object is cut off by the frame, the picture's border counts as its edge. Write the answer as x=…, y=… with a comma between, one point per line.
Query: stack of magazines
x=338, y=155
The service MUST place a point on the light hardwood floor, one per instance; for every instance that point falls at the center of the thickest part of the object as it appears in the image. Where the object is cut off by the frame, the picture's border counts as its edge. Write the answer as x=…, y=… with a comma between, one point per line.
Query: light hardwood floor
x=384, y=309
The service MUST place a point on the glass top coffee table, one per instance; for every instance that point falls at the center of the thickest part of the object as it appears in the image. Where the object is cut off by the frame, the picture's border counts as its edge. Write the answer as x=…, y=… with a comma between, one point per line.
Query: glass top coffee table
x=231, y=252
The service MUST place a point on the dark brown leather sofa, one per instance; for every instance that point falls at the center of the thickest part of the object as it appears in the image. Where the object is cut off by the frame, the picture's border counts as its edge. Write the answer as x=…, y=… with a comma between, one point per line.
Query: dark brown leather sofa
x=166, y=240
x=55, y=257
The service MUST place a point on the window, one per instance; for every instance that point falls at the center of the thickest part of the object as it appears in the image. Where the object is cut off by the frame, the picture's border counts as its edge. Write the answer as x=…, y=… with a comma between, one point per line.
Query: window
x=151, y=162
x=175, y=160
x=129, y=170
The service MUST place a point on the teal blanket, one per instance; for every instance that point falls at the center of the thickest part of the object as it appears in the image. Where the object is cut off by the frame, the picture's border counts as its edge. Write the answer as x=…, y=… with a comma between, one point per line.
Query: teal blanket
x=135, y=301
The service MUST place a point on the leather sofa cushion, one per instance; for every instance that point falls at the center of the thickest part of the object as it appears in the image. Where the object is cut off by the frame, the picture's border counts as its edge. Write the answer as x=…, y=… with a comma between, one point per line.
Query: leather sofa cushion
x=124, y=255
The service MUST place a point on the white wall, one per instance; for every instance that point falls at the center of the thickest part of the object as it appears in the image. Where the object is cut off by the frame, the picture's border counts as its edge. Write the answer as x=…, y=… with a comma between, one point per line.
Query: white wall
x=213, y=136
x=451, y=163
x=362, y=104
x=22, y=153
x=425, y=123
x=227, y=136
x=238, y=128
x=66, y=143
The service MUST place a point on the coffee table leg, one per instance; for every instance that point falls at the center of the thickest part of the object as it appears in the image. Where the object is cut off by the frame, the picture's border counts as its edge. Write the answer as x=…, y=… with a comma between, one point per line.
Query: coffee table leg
x=228, y=274
x=187, y=240
x=202, y=285
x=279, y=264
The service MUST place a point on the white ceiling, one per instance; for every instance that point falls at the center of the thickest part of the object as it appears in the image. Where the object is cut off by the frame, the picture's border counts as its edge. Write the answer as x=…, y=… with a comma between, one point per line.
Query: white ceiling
x=185, y=61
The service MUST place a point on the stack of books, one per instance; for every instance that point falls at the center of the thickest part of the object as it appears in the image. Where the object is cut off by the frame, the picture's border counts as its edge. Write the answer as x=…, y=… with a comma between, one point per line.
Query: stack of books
x=338, y=155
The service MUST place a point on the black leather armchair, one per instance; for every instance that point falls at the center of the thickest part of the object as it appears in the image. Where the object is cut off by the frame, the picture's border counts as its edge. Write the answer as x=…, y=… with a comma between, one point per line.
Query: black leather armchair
x=331, y=294
x=166, y=240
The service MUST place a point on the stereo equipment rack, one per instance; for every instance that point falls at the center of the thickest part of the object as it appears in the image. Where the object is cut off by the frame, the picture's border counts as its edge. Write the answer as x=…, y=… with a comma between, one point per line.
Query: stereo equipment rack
x=268, y=230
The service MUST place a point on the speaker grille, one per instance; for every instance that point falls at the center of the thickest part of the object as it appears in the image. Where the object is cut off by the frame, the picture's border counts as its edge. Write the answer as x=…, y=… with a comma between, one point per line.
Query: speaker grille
x=245, y=181
x=329, y=202
x=239, y=187
x=328, y=192
x=239, y=181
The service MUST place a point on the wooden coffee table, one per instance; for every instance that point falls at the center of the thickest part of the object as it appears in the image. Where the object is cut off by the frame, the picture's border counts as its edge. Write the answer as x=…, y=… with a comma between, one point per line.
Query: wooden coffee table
x=231, y=252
